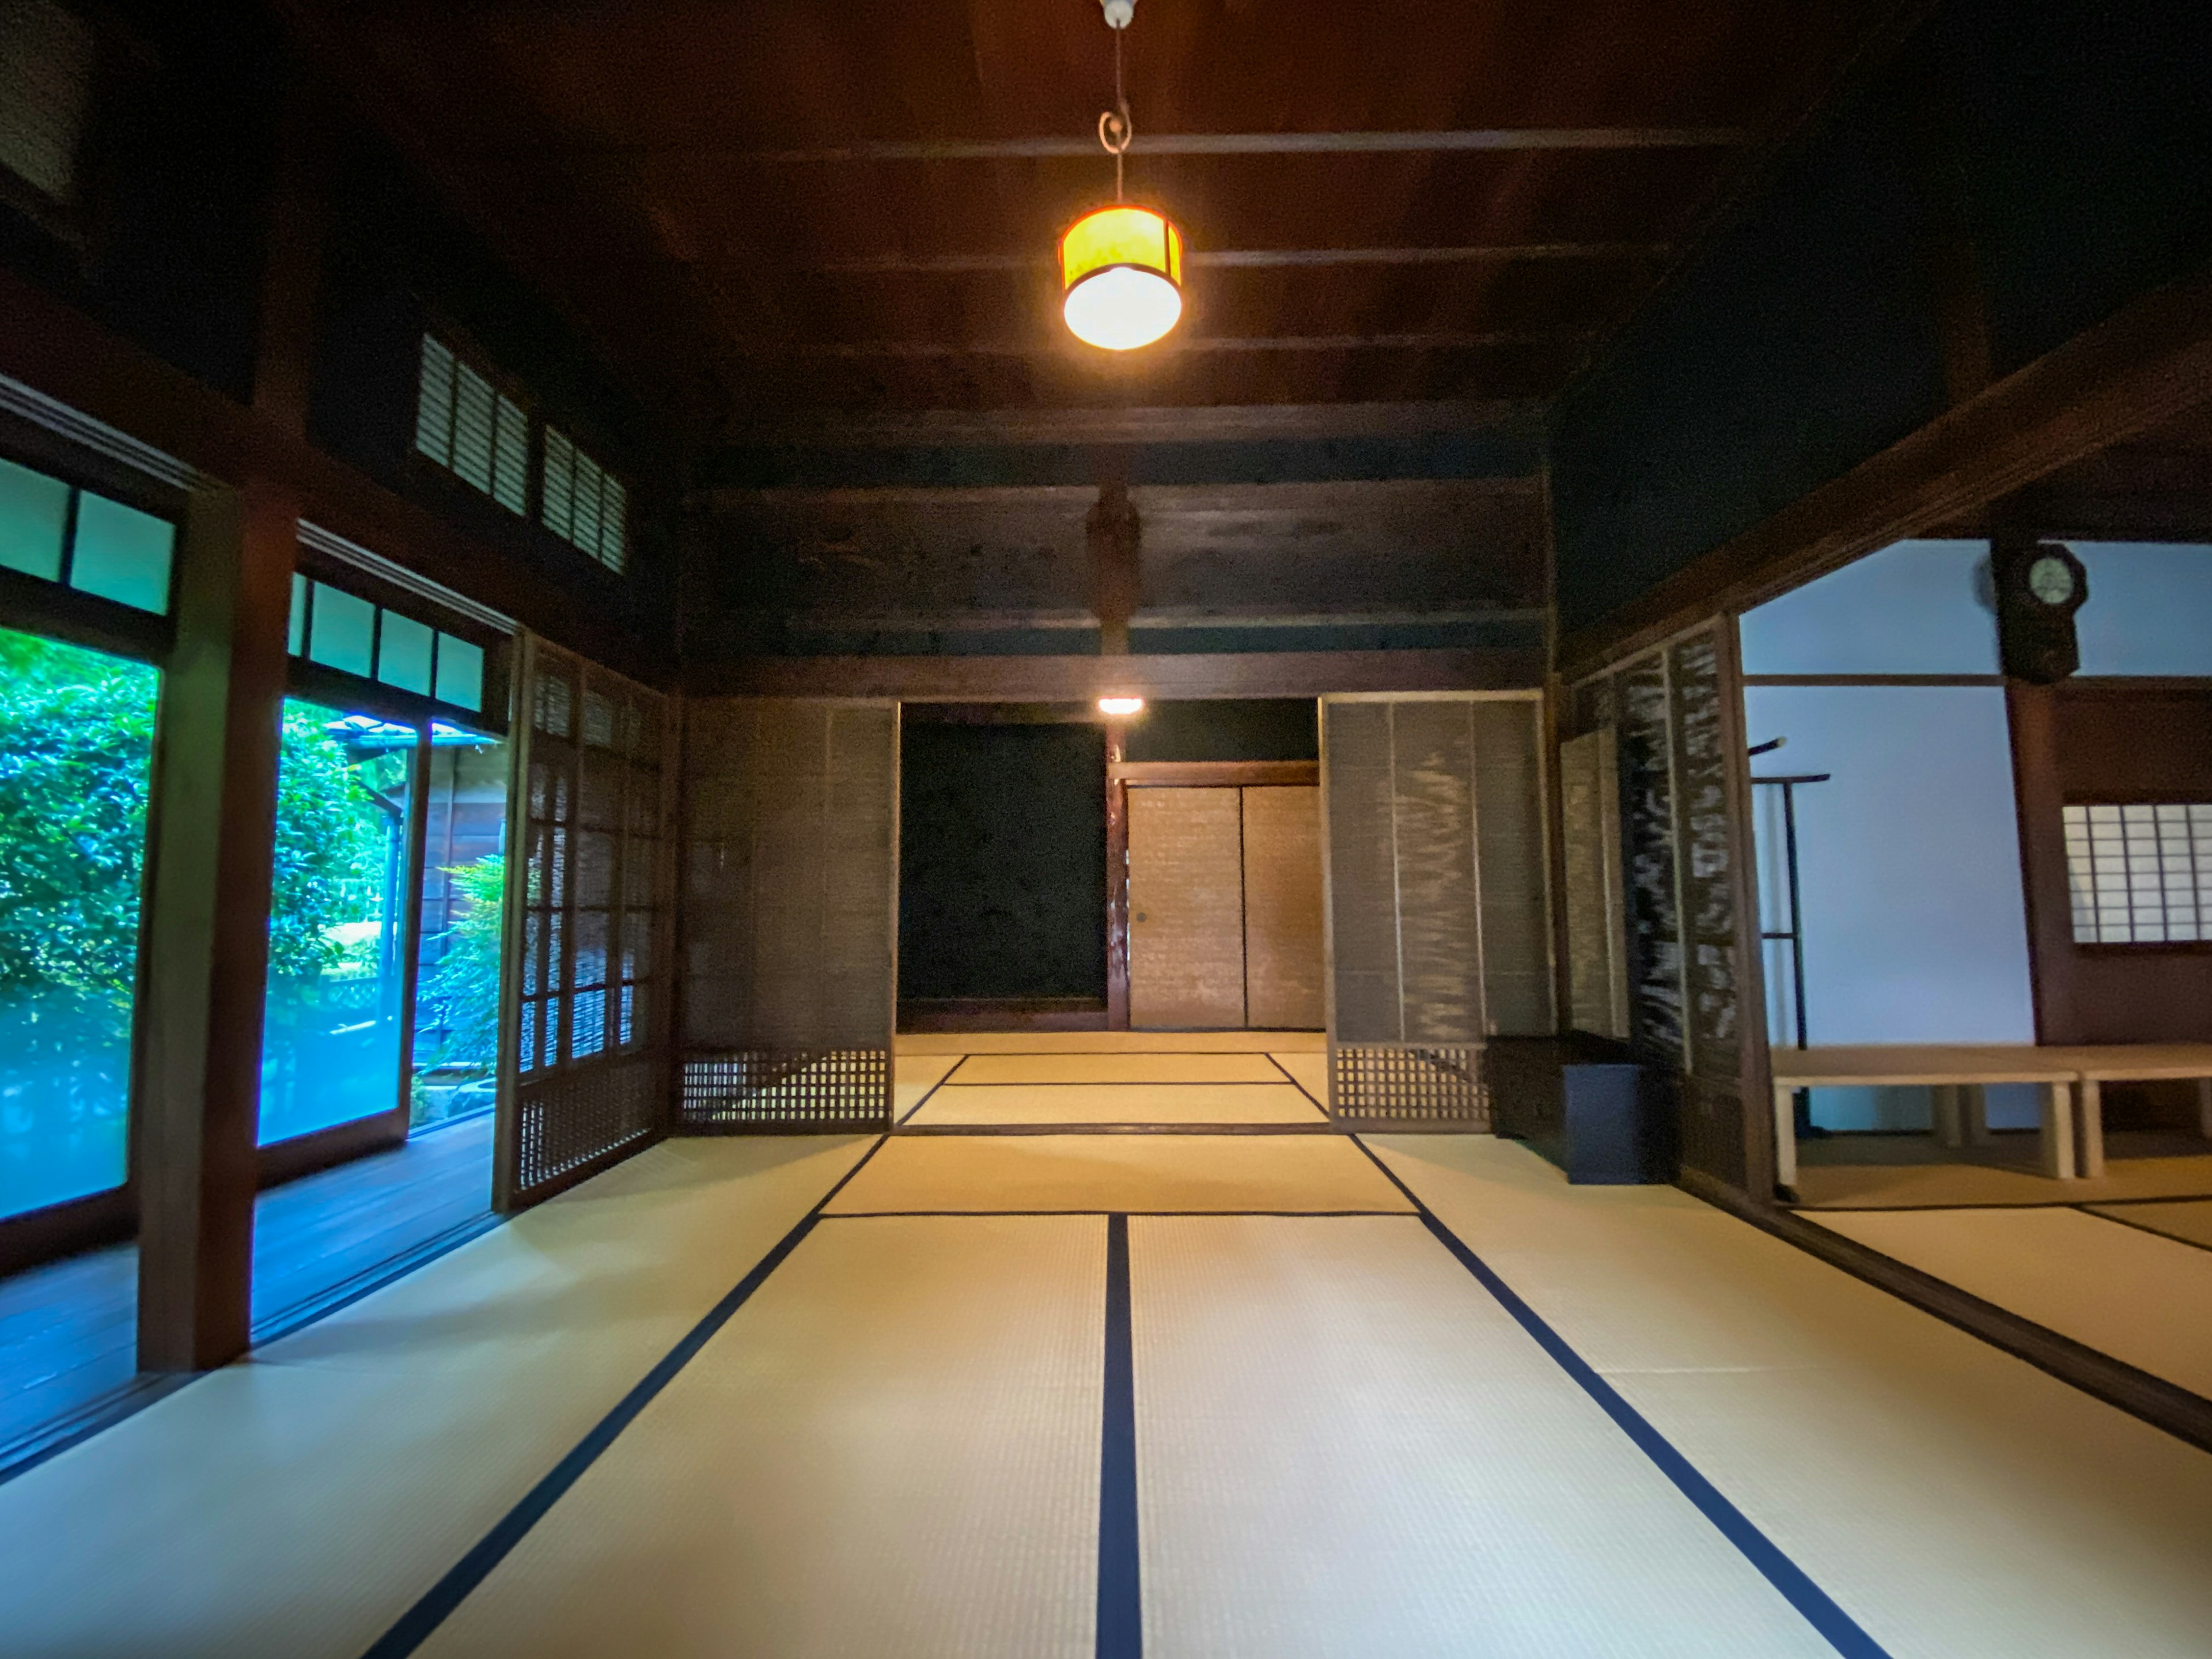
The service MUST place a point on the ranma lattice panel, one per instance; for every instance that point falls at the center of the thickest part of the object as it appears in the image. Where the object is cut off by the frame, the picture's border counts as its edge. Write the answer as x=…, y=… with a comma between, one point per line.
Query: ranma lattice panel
x=787, y=1089
x=1375, y=1086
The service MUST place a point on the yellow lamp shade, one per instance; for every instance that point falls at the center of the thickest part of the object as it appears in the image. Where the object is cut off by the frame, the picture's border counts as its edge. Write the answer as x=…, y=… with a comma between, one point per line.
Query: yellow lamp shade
x=1121, y=273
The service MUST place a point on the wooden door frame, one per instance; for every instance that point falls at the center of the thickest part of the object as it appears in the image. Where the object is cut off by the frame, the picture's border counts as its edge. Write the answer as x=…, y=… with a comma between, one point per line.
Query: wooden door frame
x=1123, y=775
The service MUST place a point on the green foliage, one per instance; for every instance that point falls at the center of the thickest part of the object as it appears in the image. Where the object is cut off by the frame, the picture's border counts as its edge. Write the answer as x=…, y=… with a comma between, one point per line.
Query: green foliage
x=329, y=847
x=76, y=744
x=467, y=976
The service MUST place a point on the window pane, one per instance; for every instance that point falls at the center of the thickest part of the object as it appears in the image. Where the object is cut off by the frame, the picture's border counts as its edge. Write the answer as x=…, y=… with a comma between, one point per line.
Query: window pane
x=557, y=497
x=344, y=631
x=472, y=429
x=434, y=404
x=122, y=554
x=33, y=511
x=295, y=631
x=510, y=458
x=403, y=656
x=331, y=1046
x=457, y=996
x=614, y=512
x=460, y=673
x=76, y=732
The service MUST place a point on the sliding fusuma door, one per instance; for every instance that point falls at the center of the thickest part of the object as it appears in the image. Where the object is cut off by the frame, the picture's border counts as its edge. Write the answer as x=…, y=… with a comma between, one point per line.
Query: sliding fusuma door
x=789, y=914
x=1438, y=929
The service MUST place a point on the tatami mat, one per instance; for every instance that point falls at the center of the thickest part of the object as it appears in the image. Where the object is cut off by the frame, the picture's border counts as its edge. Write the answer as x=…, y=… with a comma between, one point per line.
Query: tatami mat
x=913, y=1076
x=1346, y=1447
x=1108, y=1102
x=1958, y=1503
x=892, y=1449
x=2123, y=1291
x=984, y=1173
x=294, y=1505
x=1108, y=1042
x=2190, y=1222
x=1308, y=1071
x=1946, y=1186
x=1119, y=1068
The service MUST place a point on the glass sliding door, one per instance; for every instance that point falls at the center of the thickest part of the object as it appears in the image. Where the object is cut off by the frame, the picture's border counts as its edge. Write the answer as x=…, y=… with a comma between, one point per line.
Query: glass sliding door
x=332, y=1042
x=76, y=747
x=457, y=993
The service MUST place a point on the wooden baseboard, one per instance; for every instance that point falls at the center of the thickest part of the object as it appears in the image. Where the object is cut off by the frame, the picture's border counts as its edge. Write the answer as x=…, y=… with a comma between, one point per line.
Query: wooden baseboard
x=2158, y=1402
x=1003, y=1014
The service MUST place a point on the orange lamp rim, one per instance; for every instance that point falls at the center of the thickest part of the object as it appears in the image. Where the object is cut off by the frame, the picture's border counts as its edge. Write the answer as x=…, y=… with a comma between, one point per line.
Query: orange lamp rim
x=1171, y=236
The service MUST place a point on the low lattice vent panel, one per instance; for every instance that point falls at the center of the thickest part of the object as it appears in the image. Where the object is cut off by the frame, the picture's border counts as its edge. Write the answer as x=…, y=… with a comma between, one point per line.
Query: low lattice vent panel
x=1409, y=1087
x=576, y=1121
x=757, y=1089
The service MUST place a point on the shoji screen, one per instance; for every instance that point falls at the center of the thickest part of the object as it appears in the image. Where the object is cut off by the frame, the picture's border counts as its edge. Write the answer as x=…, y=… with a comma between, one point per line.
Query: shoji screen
x=583, y=1024
x=790, y=913
x=1438, y=930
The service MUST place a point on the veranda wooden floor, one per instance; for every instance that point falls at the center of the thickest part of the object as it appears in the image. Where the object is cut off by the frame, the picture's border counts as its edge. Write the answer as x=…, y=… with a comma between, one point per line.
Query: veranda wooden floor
x=68, y=1330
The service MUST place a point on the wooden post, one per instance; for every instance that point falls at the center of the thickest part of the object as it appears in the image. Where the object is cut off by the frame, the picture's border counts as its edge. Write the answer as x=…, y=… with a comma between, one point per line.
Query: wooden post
x=207, y=937
x=1115, y=575
x=1117, y=881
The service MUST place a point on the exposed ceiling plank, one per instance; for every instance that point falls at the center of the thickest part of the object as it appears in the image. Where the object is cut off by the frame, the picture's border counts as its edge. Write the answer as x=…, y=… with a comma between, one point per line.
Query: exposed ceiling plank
x=1219, y=143
x=1196, y=343
x=1256, y=258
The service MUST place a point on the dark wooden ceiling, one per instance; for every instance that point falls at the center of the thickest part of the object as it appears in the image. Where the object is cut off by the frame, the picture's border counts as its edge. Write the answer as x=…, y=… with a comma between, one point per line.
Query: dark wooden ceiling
x=787, y=204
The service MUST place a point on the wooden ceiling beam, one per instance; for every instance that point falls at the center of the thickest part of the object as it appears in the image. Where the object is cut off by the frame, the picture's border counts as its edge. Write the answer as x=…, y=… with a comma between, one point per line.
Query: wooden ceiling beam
x=902, y=265
x=1196, y=343
x=1212, y=143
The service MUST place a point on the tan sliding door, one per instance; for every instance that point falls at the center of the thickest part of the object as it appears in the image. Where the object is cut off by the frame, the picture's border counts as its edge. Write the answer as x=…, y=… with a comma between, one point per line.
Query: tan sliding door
x=789, y=915
x=1439, y=917
x=1282, y=908
x=1186, y=909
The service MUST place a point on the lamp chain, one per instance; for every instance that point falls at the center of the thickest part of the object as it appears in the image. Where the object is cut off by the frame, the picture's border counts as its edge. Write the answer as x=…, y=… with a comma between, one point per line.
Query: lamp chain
x=1115, y=128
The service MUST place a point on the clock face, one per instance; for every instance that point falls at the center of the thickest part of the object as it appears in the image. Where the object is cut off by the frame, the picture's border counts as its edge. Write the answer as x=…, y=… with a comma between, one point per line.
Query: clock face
x=2050, y=579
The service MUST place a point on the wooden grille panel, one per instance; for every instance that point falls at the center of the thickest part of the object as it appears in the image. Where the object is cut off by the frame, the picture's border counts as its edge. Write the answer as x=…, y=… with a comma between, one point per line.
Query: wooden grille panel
x=1407, y=1087
x=790, y=912
x=1438, y=912
x=786, y=1089
x=583, y=1031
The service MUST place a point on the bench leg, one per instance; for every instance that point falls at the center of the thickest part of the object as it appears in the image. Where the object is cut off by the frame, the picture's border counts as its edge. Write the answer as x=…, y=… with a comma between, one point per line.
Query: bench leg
x=2092, y=1129
x=1785, y=1136
x=1944, y=1108
x=1974, y=1114
x=2058, y=1131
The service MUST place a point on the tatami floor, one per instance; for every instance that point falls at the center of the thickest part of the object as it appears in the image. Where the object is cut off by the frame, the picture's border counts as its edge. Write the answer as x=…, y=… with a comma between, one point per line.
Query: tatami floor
x=1099, y=1374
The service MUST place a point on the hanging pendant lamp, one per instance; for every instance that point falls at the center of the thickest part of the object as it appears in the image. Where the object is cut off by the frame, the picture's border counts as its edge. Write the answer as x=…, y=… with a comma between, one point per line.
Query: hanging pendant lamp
x=1121, y=267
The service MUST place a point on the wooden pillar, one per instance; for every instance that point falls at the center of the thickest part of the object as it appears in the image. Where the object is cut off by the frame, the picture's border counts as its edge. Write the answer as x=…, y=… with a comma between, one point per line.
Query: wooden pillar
x=1115, y=574
x=207, y=935
x=1117, y=881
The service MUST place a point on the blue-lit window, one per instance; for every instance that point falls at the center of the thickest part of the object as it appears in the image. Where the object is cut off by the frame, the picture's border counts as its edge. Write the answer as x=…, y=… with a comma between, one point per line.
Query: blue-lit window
x=77, y=748
x=337, y=629
x=85, y=541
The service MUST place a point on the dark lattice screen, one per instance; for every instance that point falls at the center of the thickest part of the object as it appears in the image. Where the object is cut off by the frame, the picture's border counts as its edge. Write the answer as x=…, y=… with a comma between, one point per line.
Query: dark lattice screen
x=1438, y=929
x=588, y=899
x=789, y=914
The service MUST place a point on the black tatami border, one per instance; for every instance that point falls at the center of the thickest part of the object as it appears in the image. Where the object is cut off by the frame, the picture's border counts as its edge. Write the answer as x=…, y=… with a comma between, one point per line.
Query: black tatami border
x=1796, y=1585
x=415, y=1626
x=1121, y=1617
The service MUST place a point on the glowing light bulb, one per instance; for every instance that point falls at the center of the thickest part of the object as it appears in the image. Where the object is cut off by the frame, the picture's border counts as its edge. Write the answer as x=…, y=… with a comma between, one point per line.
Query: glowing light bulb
x=1121, y=705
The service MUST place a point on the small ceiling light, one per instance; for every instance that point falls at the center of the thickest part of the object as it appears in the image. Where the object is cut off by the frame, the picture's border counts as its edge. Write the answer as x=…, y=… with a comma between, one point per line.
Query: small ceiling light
x=1121, y=267
x=1123, y=706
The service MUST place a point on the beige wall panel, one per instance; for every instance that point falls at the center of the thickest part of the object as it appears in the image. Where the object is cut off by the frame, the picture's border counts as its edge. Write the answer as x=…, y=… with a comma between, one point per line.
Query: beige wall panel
x=1186, y=908
x=1282, y=908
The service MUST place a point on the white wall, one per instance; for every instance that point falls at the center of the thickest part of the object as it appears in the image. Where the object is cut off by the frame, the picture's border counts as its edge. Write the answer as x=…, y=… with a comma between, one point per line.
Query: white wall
x=1914, y=924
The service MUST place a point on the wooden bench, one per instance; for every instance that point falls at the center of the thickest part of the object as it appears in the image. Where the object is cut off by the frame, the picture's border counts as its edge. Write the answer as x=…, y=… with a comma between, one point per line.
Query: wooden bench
x=1948, y=1068
x=2134, y=1063
x=2073, y=1143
